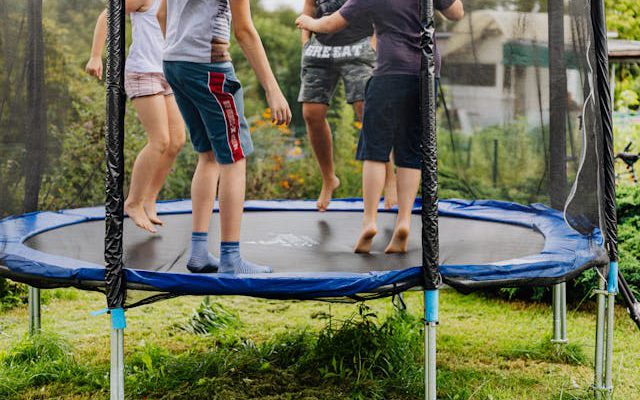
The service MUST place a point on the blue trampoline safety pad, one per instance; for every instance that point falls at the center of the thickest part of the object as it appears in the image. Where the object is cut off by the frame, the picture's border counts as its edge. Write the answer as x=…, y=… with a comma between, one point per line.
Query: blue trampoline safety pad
x=483, y=244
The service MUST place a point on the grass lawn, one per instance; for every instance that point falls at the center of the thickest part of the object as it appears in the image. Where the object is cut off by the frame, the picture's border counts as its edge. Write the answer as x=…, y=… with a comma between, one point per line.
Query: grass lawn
x=260, y=349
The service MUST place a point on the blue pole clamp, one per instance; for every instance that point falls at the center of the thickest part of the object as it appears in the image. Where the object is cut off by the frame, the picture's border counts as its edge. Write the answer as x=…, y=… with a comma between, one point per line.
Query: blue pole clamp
x=612, y=279
x=431, y=305
x=118, y=320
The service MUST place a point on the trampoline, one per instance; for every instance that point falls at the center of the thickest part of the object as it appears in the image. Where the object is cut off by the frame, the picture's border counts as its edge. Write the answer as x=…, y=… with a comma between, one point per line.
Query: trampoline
x=525, y=134
x=482, y=244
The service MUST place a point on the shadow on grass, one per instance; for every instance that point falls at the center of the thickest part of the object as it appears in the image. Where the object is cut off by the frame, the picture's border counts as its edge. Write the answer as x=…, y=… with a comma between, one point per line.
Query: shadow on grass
x=546, y=351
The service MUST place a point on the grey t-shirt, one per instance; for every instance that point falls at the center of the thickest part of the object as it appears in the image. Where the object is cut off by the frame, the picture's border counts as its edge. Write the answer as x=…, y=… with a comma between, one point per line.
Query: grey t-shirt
x=355, y=32
x=198, y=31
x=397, y=27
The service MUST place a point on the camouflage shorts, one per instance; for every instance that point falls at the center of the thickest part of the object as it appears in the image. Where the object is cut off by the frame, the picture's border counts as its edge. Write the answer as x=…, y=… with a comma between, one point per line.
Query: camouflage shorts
x=324, y=66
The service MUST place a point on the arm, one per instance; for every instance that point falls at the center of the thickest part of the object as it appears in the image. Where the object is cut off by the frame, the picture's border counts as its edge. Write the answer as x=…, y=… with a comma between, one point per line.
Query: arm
x=251, y=45
x=310, y=10
x=162, y=17
x=454, y=12
x=329, y=24
x=94, y=66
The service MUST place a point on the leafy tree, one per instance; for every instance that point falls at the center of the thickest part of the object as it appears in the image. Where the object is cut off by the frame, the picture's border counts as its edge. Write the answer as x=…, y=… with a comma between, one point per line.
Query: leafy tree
x=623, y=17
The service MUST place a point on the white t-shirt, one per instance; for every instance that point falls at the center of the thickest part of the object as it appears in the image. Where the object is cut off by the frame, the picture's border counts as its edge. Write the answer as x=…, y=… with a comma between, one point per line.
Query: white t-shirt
x=145, y=53
x=193, y=26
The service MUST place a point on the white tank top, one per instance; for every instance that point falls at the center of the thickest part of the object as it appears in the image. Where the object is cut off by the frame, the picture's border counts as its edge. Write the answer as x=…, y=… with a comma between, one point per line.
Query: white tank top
x=147, y=44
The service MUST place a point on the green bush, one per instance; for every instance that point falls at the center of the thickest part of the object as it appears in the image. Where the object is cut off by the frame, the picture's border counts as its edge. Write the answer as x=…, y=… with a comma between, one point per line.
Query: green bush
x=11, y=294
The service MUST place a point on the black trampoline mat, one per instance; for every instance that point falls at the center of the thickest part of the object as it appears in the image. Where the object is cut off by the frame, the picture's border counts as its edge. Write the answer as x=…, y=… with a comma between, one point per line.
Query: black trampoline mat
x=297, y=242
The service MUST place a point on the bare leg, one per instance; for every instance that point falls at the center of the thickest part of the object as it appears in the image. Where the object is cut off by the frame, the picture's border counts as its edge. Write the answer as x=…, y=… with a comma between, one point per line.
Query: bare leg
x=232, y=190
x=390, y=185
x=408, y=182
x=315, y=116
x=176, y=142
x=390, y=191
x=203, y=190
x=373, y=173
x=153, y=115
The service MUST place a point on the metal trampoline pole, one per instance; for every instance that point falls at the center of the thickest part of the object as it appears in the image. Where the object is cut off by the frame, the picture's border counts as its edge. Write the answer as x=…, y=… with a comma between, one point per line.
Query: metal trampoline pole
x=34, y=311
x=612, y=290
x=559, y=313
x=563, y=310
x=117, y=364
x=431, y=323
x=600, y=328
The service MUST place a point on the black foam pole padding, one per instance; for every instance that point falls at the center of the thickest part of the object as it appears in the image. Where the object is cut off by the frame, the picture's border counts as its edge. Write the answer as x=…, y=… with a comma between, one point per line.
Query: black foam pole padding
x=430, y=244
x=605, y=111
x=114, y=143
x=558, y=103
x=36, y=132
x=608, y=157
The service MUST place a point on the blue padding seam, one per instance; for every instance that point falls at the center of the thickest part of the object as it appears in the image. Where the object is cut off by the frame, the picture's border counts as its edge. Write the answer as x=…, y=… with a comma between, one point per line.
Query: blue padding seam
x=431, y=305
x=565, y=251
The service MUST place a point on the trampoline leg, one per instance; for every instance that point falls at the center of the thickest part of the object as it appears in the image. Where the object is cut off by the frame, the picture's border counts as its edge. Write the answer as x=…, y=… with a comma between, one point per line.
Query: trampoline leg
x=118, y=324
x=431, y=322
x=117, y=364
x=612, y=290
x=598, y=384
x=603, y=384
x=34, y=311
x=560, y=313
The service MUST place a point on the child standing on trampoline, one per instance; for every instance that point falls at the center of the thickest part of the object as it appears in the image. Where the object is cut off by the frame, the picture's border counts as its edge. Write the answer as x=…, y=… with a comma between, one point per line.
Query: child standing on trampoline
x=392, y=110
x=198, y=67
x=155, y=105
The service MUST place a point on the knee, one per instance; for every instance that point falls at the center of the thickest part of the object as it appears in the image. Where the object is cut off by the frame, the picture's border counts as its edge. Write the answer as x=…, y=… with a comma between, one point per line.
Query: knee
x=160, y=144
x=176, y=145
x=313, y=117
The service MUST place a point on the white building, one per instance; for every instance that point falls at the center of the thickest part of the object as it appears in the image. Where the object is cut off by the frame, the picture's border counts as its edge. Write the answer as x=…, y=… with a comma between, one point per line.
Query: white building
x=482, y=92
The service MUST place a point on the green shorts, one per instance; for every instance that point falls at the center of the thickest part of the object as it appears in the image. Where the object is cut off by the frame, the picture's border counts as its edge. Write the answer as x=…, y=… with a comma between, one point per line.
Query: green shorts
x=324, y=66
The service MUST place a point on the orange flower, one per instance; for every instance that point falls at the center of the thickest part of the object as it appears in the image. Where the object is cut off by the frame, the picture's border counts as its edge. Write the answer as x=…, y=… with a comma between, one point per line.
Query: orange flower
x=285, y=184
x=284, y=129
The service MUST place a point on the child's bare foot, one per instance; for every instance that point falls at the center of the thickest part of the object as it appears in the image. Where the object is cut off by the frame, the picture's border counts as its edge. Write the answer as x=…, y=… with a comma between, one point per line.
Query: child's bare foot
x=365, y=241
x=152, y=213
x=390, y=195
x=139, y=217
x=327, y=194
x=400, y=240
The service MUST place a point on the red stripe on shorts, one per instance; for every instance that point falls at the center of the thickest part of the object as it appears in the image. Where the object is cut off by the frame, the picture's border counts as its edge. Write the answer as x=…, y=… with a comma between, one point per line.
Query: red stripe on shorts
x=228, y=106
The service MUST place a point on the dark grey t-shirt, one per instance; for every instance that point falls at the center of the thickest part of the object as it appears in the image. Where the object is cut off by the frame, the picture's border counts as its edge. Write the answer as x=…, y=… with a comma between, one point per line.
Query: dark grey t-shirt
x=397, y=26
x=356, y=31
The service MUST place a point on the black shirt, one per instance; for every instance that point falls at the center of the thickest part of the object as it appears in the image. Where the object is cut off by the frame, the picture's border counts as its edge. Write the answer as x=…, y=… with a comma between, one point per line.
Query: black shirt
x=353, y=33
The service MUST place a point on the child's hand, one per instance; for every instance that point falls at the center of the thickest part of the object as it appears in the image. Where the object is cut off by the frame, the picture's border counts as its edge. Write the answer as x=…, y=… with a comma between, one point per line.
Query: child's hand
x=280, y=111
x=305, y=22
x=94, y=67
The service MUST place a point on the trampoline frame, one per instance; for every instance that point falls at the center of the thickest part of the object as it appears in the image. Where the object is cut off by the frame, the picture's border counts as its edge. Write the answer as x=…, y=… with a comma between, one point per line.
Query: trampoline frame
x=565, y=254
x=115, y=275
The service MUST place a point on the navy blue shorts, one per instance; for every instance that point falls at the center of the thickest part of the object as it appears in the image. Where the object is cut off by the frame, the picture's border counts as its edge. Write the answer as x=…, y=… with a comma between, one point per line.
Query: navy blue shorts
x=211, y=102
x=391, y=121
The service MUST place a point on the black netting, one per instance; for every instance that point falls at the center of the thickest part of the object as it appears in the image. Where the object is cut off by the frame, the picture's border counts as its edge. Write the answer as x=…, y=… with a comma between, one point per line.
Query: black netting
x=521, y=117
